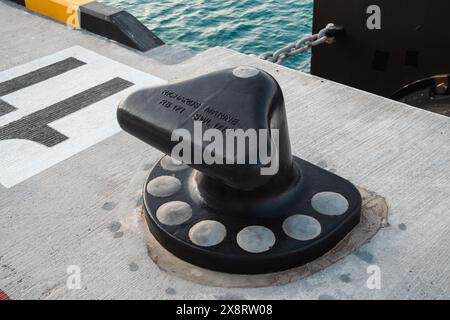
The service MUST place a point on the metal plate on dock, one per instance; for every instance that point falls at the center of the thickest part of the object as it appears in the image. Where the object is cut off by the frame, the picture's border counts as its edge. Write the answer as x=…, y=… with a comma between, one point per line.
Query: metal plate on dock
x=387, y=44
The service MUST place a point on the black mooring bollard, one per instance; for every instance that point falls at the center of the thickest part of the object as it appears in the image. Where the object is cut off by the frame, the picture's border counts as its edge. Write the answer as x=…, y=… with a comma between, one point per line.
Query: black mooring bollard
x=247, y=210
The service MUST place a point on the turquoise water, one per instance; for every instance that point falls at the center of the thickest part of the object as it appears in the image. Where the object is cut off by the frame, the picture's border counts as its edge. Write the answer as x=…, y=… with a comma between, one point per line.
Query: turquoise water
x=249, y=26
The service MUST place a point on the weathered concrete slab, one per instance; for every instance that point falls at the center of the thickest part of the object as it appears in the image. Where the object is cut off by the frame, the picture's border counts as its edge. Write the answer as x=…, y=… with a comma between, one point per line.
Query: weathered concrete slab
x=84, y=211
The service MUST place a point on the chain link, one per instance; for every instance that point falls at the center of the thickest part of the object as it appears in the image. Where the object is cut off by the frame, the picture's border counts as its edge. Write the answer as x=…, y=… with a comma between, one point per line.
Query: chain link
x=302, y=45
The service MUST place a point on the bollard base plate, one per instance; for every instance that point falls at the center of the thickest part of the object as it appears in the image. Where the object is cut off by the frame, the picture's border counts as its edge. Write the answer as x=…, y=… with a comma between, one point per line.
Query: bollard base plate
x=322, y=211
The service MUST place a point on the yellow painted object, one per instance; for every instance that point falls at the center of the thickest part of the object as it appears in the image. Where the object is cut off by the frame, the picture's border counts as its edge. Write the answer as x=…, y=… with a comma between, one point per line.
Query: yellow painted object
x=66, y=11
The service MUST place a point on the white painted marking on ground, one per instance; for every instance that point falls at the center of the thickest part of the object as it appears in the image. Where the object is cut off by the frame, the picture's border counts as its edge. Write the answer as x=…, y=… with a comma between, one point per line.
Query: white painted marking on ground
x=22, y=159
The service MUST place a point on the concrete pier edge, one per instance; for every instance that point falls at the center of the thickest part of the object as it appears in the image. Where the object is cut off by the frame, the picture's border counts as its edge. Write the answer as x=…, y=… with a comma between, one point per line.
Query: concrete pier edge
x=98, y=18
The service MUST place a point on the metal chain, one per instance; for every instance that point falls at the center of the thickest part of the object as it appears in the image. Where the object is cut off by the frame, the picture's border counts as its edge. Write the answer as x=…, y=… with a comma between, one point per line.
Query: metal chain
x=326, y=35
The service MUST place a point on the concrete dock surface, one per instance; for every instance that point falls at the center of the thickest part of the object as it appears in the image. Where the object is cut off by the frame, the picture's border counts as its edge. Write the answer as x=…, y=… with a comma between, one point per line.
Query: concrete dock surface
x=79, y=204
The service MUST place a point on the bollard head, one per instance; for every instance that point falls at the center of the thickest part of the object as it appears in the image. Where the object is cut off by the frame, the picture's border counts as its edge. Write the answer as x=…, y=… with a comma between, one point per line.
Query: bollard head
x=241, y=107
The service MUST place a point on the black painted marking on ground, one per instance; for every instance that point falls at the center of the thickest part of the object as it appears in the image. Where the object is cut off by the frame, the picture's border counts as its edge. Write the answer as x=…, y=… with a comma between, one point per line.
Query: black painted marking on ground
x=34, y=127
x=39, y=75
x=5, y=108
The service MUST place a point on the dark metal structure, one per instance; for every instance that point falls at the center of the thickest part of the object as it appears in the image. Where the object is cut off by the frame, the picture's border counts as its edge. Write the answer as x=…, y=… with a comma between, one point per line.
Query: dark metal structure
x=407, y=42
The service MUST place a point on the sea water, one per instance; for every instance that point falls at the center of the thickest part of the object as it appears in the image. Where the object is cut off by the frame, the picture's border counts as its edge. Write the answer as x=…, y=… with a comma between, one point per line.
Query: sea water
x=248, y=26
